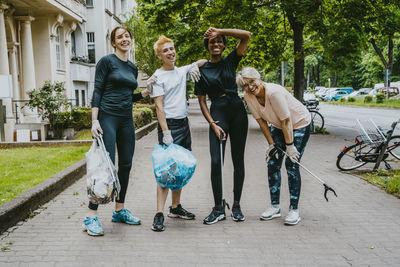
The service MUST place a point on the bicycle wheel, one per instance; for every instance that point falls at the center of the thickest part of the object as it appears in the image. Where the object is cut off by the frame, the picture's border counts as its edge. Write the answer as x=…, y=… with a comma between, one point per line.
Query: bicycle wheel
x=394, y=146
x=351, y=157
x=317, y=121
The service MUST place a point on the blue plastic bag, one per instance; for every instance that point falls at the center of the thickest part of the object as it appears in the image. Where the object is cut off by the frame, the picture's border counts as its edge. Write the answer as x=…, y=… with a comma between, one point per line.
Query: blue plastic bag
x=173, y=166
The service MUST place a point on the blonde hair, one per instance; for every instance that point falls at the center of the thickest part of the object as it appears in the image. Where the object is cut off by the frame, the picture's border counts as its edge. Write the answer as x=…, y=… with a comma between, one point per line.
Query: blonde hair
x=161, y=40
x=247, y=72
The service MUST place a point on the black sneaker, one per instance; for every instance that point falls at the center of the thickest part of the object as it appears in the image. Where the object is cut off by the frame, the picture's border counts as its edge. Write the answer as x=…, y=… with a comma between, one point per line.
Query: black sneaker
x=237, y=214
x=216, y=215
x=158, y=223
x=180, y=212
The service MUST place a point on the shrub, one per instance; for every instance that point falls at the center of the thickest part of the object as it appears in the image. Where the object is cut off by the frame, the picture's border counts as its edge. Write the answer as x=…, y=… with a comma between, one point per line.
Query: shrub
x=77, y=118
x=380, y=98
x=150, y=106
x=368, y=99
x=342, y=99
x=81, y=118
x=142, y=117
x=50, y=99
x=351, y=99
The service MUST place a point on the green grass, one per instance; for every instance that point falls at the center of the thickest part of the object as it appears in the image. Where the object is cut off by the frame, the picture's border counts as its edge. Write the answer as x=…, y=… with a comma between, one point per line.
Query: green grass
x=387, y=180
x=23, y=168
x=83, y=135
x=392, y=103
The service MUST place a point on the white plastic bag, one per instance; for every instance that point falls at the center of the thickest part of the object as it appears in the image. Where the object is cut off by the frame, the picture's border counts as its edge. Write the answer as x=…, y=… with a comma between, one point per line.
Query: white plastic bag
x=101, y=176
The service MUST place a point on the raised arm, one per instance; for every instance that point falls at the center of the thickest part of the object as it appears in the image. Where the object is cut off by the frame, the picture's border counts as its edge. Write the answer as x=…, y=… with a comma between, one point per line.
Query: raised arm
x=242, y=35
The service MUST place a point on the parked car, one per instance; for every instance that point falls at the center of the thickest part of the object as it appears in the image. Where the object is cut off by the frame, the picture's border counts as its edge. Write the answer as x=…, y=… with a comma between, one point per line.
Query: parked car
x=346, y=89
x=319, y=88
x=392, y=91
x=358, y=94
x=373, y=92
x=336, y=95
x=322, y=92
x=309, y=96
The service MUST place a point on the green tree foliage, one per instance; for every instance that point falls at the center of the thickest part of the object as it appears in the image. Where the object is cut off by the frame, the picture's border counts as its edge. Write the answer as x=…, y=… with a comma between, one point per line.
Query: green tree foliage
x=145, y=57
x=349, y=42
x=350, y=27
x=50, y=100
x=186, y=21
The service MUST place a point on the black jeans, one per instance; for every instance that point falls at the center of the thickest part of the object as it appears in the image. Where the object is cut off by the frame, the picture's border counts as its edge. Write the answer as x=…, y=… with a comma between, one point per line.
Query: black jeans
x=300, y=138
x=119, y=130
x=180, y=132
x=231, y=114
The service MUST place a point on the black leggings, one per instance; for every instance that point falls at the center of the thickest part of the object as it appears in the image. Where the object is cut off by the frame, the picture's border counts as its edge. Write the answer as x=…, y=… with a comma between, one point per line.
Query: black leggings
x=231, y=114
x=120, y=130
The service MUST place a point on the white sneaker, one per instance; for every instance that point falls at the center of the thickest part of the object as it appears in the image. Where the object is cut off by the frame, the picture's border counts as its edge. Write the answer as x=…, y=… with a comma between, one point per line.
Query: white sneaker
x=272, y=212
x=293, y=217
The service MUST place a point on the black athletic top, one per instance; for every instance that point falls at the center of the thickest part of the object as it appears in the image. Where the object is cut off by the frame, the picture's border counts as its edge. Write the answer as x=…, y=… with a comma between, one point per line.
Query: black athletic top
x=115, y=81
x=219, y=78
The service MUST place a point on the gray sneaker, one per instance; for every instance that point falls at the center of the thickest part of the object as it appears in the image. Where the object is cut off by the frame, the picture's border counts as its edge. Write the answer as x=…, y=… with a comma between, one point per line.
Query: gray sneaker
x=272, y=212
x=293, y=217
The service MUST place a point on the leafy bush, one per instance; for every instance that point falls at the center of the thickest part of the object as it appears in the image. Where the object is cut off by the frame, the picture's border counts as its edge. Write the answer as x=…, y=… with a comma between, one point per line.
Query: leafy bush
x=351, y=99
x=77, y=118
x=342, y=99
x=380, y=98
x=81, y=118
x=150, y=106
x=368, y=99
x=50, y=100
x=142, y=117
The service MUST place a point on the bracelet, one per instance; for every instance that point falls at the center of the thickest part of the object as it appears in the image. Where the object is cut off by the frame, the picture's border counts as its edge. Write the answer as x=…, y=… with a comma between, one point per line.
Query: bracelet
x=290, y=143
x=211, y=122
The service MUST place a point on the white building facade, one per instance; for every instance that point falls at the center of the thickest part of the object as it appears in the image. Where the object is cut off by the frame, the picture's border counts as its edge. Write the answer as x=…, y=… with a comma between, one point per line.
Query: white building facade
x=56, y=40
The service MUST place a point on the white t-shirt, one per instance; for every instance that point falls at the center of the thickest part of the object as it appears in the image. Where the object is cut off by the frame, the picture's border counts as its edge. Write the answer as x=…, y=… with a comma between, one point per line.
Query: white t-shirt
x=172, y=85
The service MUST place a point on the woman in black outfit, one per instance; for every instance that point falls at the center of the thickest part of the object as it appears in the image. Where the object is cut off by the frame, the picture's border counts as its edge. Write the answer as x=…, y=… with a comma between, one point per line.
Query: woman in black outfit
x=115, y=81
x=226, y=116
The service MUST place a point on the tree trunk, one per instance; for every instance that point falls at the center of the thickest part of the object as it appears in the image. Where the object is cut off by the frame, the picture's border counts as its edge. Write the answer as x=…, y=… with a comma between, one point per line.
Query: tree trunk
x=318, y=75
x=299, y=80
x=335, y=80
x=390, y=56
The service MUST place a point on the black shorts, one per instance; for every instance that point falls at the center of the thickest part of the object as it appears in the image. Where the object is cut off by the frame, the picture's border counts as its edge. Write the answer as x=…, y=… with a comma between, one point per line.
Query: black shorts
x=180, y=132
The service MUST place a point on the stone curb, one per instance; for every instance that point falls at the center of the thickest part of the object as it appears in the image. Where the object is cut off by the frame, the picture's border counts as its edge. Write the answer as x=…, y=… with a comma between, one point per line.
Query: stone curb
x=20, y=207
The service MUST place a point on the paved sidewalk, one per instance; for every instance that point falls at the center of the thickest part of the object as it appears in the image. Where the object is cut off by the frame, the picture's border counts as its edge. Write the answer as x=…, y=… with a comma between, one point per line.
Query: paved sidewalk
x=360, y=227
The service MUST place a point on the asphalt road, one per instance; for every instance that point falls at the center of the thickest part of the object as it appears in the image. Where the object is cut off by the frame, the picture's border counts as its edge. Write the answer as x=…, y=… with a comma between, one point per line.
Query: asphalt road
x=342, y=120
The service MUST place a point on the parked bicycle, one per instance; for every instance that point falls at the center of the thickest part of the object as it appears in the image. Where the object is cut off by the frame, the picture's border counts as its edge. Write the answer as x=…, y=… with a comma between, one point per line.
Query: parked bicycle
x=369, y=147
x=317, y=120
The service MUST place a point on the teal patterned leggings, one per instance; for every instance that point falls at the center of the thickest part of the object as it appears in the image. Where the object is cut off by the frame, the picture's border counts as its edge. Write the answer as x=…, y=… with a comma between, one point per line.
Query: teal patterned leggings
x=301, y=137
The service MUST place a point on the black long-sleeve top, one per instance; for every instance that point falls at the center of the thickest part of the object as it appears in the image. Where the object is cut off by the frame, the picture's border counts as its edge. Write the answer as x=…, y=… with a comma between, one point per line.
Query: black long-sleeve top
x=115, y=81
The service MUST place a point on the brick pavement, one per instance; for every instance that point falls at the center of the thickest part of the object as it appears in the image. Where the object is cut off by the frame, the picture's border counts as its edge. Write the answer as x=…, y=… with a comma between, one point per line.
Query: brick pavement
x=360, y=227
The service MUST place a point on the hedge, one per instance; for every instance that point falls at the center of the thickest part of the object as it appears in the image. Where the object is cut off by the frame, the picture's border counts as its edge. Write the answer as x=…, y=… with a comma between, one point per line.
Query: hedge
x=81, y=118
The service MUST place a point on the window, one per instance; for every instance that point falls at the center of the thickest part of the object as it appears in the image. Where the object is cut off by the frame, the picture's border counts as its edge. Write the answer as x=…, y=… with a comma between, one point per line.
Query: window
x=91, y=47
x=89, y=2
x=83, y=98
x=77, y=98
x=73, y=44
x=58, y=49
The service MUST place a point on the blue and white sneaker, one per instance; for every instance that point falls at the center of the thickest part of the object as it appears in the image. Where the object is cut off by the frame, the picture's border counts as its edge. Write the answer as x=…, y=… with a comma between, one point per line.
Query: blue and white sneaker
x=92, y=226
x=125, y=216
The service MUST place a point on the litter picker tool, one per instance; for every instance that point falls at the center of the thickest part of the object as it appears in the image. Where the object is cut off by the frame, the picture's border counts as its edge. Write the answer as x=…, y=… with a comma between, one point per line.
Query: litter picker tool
x=222, y=172
x=326, y=187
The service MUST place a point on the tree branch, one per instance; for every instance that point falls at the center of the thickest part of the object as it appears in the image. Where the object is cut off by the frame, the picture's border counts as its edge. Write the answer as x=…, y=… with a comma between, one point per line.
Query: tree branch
x=379, y=52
